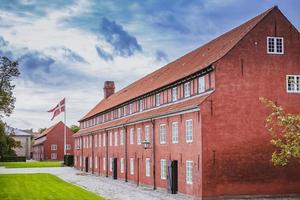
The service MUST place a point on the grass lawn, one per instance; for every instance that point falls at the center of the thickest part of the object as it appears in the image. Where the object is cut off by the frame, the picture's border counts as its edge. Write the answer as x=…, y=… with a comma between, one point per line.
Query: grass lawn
x=31, y=164
x=40, y=187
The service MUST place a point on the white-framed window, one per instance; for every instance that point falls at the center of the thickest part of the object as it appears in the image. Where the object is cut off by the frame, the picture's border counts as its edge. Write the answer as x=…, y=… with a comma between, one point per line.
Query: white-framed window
x=187, y=89
x=157, y=99
x=131, y=136
x=189, y=130
x=162, y=134
x=130, y=108
x=138, y=136
x=147, y=167
x=99, y=138
x=201, y=84
x=104, y=164
x=122, y=137
x=116, y=138
x=293, y=83
x=110, y=164
x=104, y=139
x=163, y=166
x=96, y=162
x=110, y=138
x=131, y=166
x=122, y=165
x=91, y=141
x=80, y=161
x=275, y=45
x=53, y=156
x=90, y=161
x=141, y=105
x=53, y=147
x=147, y=133
x=68, y=147
x=125, y=110
x=119, y=112
x=174, y=94
x=174, y=132
x=189, y=172
x=96, y=140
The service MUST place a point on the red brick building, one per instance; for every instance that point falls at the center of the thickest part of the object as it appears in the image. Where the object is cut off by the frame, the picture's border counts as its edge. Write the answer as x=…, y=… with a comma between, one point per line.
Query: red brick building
x=49, y=145
x=200, y=117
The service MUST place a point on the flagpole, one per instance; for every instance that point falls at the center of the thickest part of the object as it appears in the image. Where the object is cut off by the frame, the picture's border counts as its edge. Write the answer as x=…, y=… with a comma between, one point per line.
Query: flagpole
x=65, y=128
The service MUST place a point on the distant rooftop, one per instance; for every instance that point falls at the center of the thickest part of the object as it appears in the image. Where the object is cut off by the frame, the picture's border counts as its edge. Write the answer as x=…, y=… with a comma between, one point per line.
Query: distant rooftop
x=16, y=131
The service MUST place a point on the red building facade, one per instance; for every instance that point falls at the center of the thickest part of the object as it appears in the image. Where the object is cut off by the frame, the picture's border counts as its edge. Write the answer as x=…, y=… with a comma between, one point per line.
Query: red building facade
x=197, y=125
x=50, y=144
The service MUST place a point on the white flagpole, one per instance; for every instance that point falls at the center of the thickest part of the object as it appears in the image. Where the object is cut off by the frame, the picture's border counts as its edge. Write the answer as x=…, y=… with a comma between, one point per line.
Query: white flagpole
x=65, y=128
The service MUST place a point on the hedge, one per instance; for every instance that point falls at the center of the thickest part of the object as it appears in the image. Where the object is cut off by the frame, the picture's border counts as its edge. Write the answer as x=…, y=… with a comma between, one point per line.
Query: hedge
x=13, y=159
x=69, y=160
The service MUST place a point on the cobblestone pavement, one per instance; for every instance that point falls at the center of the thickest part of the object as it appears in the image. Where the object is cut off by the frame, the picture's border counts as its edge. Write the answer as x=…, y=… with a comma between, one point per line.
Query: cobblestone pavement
x=106, y=187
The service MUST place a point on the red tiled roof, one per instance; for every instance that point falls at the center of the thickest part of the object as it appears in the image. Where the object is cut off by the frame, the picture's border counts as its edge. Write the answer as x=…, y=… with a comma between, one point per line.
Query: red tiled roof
x=48, y=130
x=180, y=68
x=153, y=113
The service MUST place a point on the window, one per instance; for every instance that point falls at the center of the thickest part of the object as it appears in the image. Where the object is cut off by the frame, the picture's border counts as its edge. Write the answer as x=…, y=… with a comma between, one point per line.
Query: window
x=110, y=164
x=53, y=147
x=119, y=112
x=147, y=133
x=91, y=140
x=99, y=138
x=157, y=99
x=110, y=138
x=90, y=161
x=53, y=156
x=175, y=132
x=131, y=166
x=116, y=138
x=80, y=161
x=122, y=137
x=96, y=140
x=68, y=147
x=122, y=165
x=104, y=139
x=275, y=45
x=162, y=134
x=293, y=83
x=189, y=172
x=174, y=94
x=141, y=105
x=138, y=136
x=147, y=167
x=189, y=130
x=104, y=164
x=130, y=108
x=96, y=162
x=201, y=84
x=187, y=89
x=163, y=165
x=131, y=136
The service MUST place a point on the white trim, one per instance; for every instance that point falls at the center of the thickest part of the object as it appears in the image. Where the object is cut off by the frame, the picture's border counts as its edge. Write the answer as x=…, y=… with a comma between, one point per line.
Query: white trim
x=177, y=132
x=189, y=172
x=162, y=135
x=275, y=45
x=186, y=131
x=295, y=84
x=163, y=171
x=147, y=167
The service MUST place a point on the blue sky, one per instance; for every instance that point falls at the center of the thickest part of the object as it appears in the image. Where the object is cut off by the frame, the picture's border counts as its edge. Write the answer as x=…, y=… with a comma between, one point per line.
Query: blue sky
x=68, y=48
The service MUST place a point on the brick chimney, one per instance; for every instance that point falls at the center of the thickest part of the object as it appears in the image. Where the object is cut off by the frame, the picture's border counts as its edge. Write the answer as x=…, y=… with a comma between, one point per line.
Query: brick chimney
x=109, y=88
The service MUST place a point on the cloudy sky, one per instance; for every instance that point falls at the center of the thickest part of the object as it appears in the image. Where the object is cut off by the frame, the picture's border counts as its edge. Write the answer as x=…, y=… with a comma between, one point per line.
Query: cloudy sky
x=68, y=48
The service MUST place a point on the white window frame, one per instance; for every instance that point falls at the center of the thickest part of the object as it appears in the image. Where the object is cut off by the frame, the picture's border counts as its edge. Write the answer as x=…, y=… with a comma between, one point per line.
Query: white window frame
x=110, y=164
x=162, y=133
x=53, y=156
x=147, y=133
x=110, y=138
x=157, y=99
x=68, y=147
x=122, y=165
x=99, y=140
x=163, y=167
x=201, y=84
x=189, y=172
x=187, y=89
x=138, y=136
x=275, y=45
x=104, y=164
x=53, y=147
x=104, y=139
x=147, y=170
x=189, y=130
x=116, y=138
x=295, y=85
x=131, y=136
x=175, y=132
x=131, y=166
x=121, y=137
x=80, y=161
x=96, y=162
x=96, y=140
x=91, y=141
x=174, y=94
x=141, y=104
x=130, y=109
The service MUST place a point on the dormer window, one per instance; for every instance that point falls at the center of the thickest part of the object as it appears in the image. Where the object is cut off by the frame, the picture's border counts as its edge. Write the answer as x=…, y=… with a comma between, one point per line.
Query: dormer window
x=187, y=89
x=141, y=105
x=174, y=94
x=130, y=108
x=157, y=99
x=275, y=45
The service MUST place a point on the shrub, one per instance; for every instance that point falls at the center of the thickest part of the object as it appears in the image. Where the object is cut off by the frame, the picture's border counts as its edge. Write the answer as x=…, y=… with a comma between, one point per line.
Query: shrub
x=68, y=160
x=13, y=159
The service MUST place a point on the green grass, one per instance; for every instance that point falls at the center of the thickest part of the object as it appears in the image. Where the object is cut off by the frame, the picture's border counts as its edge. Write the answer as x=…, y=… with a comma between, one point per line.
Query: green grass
x=40, y=187
x=31, y=164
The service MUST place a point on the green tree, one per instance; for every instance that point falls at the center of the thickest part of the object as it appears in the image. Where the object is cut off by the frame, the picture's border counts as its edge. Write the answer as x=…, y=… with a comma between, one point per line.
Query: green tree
x=75, y=128
x=285, y=131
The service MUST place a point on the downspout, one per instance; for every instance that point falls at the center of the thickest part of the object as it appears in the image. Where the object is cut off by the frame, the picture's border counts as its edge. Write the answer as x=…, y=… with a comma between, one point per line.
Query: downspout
x=92, y=154
x=106, y=141
x=154, y=158
x=126, y=153
x=81, y=147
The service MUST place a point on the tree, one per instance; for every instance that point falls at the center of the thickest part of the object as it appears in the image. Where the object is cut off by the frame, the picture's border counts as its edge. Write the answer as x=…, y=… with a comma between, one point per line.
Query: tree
x=7, y=142
x=8, y=71
x=75, y=128
x=285, y=131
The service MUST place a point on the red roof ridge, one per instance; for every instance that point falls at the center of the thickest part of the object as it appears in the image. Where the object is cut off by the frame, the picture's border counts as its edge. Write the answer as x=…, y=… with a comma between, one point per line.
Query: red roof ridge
x=45, y=132
x=209, y=52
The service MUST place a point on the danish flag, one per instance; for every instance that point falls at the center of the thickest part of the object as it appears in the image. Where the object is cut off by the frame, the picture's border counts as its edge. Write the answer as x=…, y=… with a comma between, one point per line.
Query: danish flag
x=60, y=107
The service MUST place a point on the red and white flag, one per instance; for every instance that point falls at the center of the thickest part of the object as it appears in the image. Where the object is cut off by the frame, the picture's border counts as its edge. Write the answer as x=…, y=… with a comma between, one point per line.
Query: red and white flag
x=60, y=107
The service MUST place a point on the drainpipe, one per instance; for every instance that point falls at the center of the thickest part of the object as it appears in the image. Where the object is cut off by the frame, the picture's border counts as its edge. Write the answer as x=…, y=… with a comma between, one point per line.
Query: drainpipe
x=106, y=141
x=92, y=154
x=153, y=147
x=81, y=147
x=126, y=154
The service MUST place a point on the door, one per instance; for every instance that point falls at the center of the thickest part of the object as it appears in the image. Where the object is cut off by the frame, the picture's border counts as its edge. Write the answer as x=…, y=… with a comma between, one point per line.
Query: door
x=86, y=164
x=172, y=185
x=115, y=168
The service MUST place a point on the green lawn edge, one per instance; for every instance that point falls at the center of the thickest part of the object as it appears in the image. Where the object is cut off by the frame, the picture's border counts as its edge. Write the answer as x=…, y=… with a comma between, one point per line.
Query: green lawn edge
x=31, y=164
